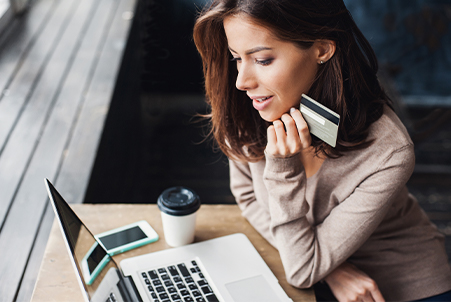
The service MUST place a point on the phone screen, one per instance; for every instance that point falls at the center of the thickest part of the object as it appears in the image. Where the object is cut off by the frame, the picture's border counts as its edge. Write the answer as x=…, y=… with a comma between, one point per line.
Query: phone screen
x=96, y=256
x=122, y=238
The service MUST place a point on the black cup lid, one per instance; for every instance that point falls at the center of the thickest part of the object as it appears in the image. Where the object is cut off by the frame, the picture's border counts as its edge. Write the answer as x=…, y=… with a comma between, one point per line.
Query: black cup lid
x=178, y=201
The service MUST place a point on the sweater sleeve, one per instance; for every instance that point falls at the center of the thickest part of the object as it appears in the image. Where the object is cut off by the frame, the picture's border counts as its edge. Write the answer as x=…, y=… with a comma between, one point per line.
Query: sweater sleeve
x=243, y=190
x=309, y=253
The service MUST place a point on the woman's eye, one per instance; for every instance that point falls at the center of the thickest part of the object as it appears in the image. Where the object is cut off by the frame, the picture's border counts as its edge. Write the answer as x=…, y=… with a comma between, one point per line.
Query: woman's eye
x=259, y=62
x=264, y=62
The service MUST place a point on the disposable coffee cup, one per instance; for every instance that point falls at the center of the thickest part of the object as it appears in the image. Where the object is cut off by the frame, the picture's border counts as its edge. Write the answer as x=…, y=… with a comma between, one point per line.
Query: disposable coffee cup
x=178, y=206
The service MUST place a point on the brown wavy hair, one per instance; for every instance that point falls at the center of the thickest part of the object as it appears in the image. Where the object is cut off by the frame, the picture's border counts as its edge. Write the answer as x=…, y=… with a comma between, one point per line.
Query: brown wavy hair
x=347, y=83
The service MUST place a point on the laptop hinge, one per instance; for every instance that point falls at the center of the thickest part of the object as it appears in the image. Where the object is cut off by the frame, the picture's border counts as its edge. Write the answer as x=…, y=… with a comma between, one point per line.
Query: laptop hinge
x=128, y=289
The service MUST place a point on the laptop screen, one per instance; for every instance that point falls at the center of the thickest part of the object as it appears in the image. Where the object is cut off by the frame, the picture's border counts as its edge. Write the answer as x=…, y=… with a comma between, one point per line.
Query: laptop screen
x=90, y=259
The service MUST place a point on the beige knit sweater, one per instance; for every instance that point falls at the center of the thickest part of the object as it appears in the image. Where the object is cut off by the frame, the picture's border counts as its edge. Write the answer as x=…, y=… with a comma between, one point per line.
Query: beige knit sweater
x=355, y=208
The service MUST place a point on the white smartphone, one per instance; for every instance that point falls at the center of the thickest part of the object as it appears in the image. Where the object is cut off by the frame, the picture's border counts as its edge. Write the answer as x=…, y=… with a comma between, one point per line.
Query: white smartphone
x=115, y=241
x=127, y=237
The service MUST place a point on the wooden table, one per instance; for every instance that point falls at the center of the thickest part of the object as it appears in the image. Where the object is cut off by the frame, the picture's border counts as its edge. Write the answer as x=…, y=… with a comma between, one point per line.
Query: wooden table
x=56, y=280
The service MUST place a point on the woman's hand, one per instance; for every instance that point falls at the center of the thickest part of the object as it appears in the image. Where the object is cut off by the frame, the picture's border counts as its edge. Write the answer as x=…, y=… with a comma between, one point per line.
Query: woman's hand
x=348, y=283
x=296, y=138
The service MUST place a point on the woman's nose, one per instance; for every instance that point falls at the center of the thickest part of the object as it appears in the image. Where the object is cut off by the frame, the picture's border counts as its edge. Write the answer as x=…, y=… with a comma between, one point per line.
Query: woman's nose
x=245, y=79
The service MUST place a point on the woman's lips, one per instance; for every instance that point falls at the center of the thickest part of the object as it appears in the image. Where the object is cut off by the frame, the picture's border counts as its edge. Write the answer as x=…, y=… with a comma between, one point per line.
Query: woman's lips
x=260, y=103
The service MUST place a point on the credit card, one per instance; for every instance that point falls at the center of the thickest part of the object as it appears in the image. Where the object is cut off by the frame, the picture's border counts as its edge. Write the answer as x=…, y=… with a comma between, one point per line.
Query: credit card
x=322, y=122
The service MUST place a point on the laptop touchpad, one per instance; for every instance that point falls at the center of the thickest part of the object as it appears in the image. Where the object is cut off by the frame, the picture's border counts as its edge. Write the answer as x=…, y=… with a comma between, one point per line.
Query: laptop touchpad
x=254, y=289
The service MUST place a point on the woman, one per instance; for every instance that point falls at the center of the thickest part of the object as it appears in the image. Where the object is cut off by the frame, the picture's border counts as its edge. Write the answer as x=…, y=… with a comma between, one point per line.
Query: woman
x=339, y=215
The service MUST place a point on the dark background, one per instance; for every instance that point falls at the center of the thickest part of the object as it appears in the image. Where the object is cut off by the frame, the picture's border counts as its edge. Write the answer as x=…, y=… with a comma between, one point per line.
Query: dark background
x=154, y=137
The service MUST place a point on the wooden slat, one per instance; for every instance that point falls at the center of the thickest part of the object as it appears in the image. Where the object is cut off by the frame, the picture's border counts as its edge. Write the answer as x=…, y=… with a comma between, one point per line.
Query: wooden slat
x=74, y=177
x=15, y=155
x=47, y=158
x=72, y=64
x=6, y=15
x=55, y=137
x=26, y=64
x=16, y=41
x=29, y=202
x=29, y=279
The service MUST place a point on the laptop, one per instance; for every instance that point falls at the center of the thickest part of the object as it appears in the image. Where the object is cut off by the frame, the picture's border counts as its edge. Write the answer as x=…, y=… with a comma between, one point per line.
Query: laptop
x=223, y=269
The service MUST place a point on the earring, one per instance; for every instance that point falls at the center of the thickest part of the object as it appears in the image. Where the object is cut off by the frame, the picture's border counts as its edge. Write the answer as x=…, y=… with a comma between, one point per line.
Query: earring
x=321, y=62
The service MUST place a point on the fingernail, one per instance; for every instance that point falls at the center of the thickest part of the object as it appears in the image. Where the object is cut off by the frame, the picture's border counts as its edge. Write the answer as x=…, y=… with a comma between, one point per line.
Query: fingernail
x=292, y=110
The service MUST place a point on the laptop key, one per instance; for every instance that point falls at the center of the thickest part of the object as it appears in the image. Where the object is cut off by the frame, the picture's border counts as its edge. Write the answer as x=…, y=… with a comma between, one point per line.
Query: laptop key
x=184, y=292
x=188, y=299
x=172, y=290
x=177, y=279
x=175, y=297
x=153, y=274
x=196, y=293
x=173, y=270
x=206, y=290
x=160, y=289
x=202, y=282
x=183, y=270
x=200, y=299
x=212, y=298
x=164, y=296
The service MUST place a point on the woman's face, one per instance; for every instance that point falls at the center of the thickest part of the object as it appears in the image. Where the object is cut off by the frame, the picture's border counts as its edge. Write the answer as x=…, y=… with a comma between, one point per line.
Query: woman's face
x=273, y=73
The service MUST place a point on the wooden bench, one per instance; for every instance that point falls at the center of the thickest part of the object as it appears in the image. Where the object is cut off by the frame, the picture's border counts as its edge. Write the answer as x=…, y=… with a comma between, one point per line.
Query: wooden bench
x=59, y=63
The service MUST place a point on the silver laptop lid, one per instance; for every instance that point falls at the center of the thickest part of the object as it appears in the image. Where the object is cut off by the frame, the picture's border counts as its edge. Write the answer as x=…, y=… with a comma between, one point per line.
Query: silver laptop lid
x=91, y=262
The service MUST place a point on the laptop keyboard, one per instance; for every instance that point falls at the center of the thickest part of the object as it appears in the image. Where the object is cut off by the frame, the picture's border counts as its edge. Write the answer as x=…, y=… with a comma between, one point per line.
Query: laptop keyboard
x=111, y=298
x=183, y=282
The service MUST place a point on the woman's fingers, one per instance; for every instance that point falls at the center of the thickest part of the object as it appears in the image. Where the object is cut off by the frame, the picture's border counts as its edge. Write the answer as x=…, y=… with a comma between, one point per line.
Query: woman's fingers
x=272, y=140
x=280, y=131
x=277, y=140
x=376, y=294
x=290, y=126
x=293, y=141
x=288, y=136
x=348, y=283
x=302, y=127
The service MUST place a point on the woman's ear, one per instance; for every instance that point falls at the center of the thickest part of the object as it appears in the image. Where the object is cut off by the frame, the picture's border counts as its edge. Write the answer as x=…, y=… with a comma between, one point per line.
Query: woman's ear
x=326, y=49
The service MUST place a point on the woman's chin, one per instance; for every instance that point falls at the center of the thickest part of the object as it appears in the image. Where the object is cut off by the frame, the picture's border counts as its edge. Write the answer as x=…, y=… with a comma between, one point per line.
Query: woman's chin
x=269, y=117
x=266, y=118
